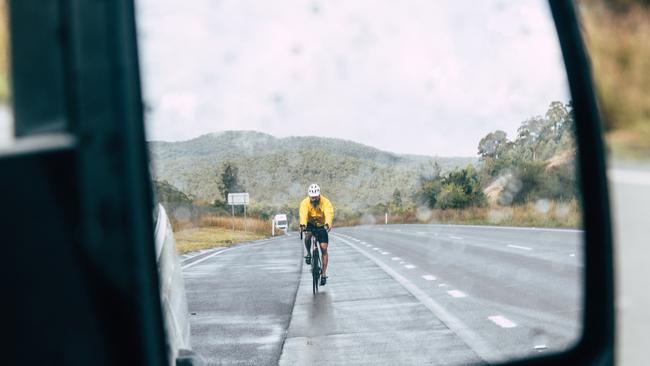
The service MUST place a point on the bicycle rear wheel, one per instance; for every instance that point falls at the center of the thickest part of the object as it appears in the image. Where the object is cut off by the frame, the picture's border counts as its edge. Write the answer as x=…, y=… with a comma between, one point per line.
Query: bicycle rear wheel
x=315, y=270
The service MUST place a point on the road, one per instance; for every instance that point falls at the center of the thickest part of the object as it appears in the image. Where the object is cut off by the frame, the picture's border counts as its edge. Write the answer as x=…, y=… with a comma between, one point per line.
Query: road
x=397, y=294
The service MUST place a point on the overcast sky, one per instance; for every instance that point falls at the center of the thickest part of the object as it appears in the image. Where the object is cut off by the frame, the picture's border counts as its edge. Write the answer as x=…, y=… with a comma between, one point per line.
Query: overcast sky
x=422, y=77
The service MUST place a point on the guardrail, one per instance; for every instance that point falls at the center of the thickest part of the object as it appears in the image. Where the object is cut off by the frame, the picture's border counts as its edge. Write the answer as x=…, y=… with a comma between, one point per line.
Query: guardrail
x=172, y=292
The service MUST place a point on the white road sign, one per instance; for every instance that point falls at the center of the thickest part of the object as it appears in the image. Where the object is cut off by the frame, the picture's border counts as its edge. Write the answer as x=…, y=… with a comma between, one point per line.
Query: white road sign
x=238, y=199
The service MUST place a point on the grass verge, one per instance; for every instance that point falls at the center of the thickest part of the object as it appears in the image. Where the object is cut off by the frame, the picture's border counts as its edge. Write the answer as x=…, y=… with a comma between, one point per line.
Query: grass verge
x=212, y=231
x=543, y=214
x=189, y=240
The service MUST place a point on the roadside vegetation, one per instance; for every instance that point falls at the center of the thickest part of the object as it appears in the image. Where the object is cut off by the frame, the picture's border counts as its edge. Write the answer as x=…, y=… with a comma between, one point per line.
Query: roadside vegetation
x=4, y=54
x=617, y=35
x=526, y=180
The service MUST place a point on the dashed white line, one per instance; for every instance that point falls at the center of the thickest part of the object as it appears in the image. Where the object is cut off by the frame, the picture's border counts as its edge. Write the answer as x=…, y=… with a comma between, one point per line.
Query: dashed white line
x=368, y=245
x=456, y=237
x=502, y=321
x=409, y=266
x=476, y=342
x=384, y=253
x=402, y=262
x=396, y=258
x=375, y=248
x=572, y=255
x=519, y=247
x=456, y=293
x=443, y=285
x=429, y=277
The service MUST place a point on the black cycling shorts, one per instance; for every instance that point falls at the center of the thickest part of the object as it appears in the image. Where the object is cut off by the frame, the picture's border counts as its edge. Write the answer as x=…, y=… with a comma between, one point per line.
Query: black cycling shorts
x=319, y=232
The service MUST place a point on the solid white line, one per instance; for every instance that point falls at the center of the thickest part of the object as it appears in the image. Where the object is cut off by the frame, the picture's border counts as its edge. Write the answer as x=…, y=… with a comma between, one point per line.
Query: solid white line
x=625, y=176
x=429, y=277
x=502, y=321
x=467, y=334
x=456, y=237
x=409, y=266
x=220, y=252
x=456, y=293
x=519, y=247
x=505, y=228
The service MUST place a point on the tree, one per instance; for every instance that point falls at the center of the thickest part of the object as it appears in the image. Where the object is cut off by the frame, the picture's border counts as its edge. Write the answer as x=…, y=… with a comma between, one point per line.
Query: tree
x=397, y=199
x=493, y=145
x=228, y=180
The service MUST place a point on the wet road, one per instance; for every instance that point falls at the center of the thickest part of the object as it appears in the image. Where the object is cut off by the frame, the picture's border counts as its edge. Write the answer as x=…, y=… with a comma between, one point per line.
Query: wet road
x=398, y=294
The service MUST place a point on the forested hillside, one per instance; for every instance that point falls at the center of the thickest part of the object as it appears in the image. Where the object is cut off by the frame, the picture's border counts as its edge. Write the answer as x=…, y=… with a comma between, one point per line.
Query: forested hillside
x=276, y=171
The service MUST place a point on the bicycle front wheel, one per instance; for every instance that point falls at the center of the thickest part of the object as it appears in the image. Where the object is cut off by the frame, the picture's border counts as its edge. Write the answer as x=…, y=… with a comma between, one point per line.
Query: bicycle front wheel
x=315, y=270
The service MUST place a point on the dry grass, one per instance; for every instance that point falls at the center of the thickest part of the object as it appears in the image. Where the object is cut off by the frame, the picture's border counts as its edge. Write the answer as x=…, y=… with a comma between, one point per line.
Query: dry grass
x=193, y=239
x=619, y=46
x=541, y=214
x=217, y=231
x=4, y=53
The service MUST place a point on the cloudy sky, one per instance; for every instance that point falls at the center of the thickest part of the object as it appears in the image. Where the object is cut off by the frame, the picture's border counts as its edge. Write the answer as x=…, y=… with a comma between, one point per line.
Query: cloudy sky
x=421, y=77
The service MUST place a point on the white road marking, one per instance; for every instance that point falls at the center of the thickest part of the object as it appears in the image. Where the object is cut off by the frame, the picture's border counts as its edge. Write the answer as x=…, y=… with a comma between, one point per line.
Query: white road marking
x=429, y=277
x=484, y=350
x=540, y=347
x=443, y=285
x=502, y=321
x=409, y=266
x=572, y=255
x=492, y=227
x=368, y=245
x=375, y=248
x=217, y=252
x=519, y=247
x=455, y=237
x=384, y=253
x=363, y=242
x=456, y=293
x=396, y=258
x=421, y=232
x=402, y=262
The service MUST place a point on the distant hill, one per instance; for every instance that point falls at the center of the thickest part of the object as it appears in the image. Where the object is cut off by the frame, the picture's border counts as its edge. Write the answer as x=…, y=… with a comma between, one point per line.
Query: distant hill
x=276, y=171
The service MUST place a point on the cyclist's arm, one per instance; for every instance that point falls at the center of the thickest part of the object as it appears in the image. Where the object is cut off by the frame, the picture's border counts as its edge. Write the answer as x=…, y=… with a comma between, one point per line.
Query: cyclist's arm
x=304, y=210
x=328, y=210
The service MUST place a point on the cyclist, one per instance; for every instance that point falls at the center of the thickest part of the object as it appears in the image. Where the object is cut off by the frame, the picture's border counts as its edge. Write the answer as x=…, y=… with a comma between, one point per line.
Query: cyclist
x=316, y=215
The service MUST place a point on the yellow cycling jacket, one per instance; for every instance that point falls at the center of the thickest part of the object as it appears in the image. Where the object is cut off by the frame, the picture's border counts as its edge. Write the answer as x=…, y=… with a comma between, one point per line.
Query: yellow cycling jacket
x=319, y=215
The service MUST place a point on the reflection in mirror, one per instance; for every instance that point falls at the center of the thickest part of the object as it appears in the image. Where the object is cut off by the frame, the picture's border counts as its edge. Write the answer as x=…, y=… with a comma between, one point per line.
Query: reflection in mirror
x=439, y=134
x=6, y=116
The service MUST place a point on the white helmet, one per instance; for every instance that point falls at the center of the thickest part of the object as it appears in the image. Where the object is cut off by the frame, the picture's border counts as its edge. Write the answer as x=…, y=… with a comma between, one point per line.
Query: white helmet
x=314, y=190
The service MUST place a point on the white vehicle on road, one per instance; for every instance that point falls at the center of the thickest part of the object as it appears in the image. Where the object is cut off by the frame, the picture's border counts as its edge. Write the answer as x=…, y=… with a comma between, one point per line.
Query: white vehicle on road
x=280, y=221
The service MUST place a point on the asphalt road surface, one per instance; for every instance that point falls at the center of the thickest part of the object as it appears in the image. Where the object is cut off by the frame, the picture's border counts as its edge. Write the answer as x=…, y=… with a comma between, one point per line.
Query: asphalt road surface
x=397, y=294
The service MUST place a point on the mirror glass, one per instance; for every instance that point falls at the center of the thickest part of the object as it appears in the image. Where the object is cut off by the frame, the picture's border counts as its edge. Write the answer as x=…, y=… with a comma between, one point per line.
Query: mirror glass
x=441, y=134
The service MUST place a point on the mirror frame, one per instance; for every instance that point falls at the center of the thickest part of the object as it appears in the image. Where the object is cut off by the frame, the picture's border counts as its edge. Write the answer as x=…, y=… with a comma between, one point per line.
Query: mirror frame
x=58, y=54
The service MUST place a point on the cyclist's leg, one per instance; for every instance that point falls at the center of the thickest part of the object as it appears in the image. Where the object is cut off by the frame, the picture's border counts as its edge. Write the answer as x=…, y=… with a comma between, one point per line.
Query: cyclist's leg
x=307, y=246
x=324, y=239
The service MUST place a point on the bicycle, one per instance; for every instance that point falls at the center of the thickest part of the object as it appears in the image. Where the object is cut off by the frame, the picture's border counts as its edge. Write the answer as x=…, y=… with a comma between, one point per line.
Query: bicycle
x=315, y=260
